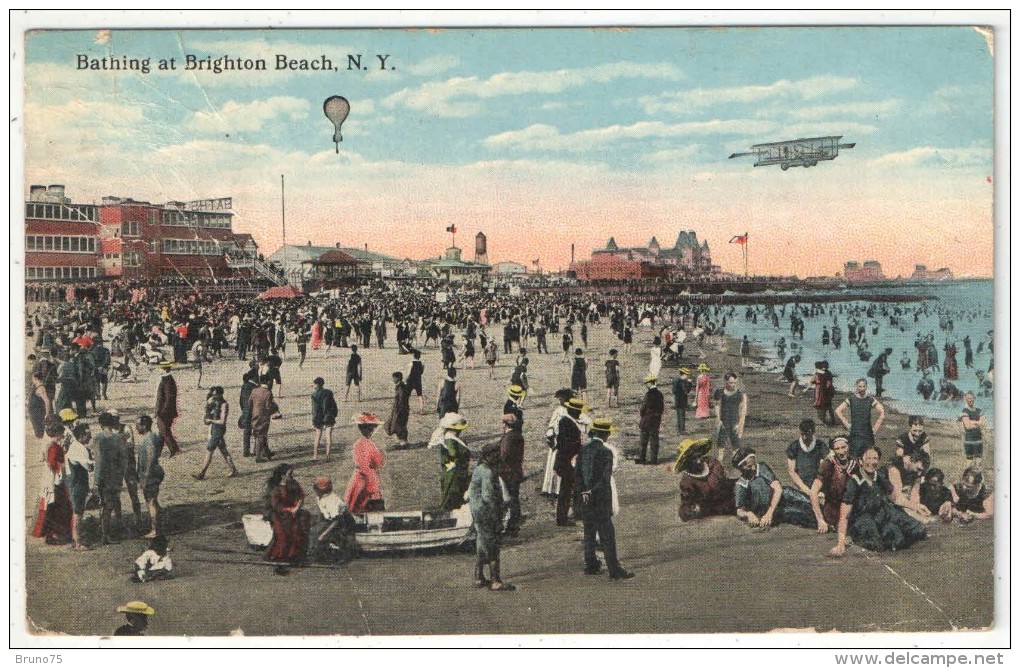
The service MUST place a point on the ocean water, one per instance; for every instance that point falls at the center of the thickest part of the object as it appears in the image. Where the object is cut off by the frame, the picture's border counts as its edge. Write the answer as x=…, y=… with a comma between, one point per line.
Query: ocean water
x=968, y=304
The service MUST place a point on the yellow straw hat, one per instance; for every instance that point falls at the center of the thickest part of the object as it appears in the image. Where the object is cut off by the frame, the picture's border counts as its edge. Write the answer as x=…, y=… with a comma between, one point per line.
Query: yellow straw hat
x=690, y=448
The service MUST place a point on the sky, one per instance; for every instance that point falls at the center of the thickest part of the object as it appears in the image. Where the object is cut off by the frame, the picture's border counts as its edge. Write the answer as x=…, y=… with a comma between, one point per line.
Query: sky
x=542, y=138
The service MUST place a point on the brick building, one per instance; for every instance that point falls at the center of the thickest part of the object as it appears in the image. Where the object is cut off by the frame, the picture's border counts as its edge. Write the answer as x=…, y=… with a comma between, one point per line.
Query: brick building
x=193, y=239
x=686, y=258
x=869, y=272
x=62, y=239
x=609, y=267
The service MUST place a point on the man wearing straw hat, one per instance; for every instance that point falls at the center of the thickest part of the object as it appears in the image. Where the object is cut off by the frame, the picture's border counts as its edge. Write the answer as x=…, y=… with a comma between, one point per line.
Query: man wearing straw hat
x=567, y=444
x=651, y=420
x=594, y=500
x=138, y=614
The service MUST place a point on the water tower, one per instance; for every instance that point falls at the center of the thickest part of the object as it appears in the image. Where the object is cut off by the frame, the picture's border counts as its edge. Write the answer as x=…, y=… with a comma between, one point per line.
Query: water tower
x=481, y=255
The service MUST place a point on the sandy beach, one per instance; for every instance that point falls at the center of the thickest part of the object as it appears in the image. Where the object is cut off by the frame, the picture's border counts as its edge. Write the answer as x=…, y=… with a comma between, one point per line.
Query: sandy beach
x=714, y=575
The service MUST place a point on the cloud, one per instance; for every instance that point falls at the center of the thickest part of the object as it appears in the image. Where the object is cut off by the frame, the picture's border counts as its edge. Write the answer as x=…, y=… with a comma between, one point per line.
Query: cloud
x=873, y=109
x=822, y=129
x=239, y=117
x=457, y=96
x=805, y=89
x=930, y=156
x=434, y=65
x=547, y=138
x=674, y=155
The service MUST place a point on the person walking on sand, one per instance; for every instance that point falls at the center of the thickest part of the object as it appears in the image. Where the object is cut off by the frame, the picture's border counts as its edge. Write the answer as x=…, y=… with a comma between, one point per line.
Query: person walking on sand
x=860, y=405
x=612, y=379
x=704, y=391
x=485, y=498
x=355, y=372
x=594, y=500
x=652, y=408
x=364, y=492
x=400, y=412
x=166, y=408
x=216, y=411
x=973, y=421
x=414, y=379
x=324, y=414
x=682, y=387
x=745, y=352
x=579, y=375
x=730, y=414
x=150, y=472
x=790, y=374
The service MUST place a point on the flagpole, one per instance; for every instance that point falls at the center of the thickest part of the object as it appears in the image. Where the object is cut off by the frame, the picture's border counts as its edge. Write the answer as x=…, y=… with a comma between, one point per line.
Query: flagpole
x=746, y=240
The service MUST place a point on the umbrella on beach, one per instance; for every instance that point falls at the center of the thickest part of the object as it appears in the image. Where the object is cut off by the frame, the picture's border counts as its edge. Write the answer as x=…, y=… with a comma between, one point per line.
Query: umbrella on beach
x=282, y=292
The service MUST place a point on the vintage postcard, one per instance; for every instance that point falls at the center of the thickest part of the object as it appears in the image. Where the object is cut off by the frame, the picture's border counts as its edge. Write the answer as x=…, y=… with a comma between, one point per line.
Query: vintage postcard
x=507, y=334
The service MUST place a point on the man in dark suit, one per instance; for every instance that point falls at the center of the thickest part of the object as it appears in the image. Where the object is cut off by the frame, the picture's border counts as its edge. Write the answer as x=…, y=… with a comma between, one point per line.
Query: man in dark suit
x=594, y=498
x=651, y=420
x=166, y=408
x=567, y=444
x=682, y=387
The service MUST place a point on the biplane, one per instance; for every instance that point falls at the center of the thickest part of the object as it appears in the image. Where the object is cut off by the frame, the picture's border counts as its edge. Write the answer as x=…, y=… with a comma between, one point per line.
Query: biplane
x=796, y=152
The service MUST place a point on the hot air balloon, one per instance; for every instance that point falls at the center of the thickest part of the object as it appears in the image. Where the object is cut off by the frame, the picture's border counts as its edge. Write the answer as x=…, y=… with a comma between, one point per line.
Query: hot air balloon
x=336, y=109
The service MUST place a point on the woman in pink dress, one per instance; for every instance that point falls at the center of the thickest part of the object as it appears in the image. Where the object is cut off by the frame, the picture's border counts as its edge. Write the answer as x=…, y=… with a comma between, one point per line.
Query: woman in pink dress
x=704, y=390
x=364, y=493
x=316, y=335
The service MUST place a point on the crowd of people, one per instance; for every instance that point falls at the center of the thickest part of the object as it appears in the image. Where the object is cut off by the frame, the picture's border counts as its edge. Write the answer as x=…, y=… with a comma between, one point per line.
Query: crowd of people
x=846, y=485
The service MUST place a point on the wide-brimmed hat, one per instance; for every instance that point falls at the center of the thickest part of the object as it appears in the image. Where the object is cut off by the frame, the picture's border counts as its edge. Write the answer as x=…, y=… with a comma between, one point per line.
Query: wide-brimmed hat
x=684, y=371
x=603, y=424
x=165, y=365
x=651, y=380
x=704, y=367
x=67, y=415
x=453, y=421
x=689, y=449
x=137, y=608
x=574, y=403
x=516, y=391
x=366, y=418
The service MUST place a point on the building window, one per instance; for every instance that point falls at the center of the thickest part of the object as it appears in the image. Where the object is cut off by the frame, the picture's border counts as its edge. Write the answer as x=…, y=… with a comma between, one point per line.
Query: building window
x=131, y=228
x=57, y=244
x=132, y=259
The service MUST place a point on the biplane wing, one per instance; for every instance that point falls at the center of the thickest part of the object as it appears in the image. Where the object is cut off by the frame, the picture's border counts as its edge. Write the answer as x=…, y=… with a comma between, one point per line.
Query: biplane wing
x=804, y=152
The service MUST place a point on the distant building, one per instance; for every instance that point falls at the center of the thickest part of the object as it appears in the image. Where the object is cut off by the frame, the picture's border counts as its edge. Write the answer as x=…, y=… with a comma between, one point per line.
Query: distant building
x=62, y=240
x=456, y=270
x=509, y=269
x=686, y=258
x=612, y=267
x=922, y=273
x=191, y=239
x=869, y=272
x=295, y=261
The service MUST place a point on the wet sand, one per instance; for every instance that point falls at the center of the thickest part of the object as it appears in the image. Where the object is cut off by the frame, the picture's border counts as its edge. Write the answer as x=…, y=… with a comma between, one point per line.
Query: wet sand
x=714, y=575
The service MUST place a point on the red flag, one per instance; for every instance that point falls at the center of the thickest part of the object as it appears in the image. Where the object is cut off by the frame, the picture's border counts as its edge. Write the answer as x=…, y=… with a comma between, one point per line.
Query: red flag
x=739, y=239
x=452, y=228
